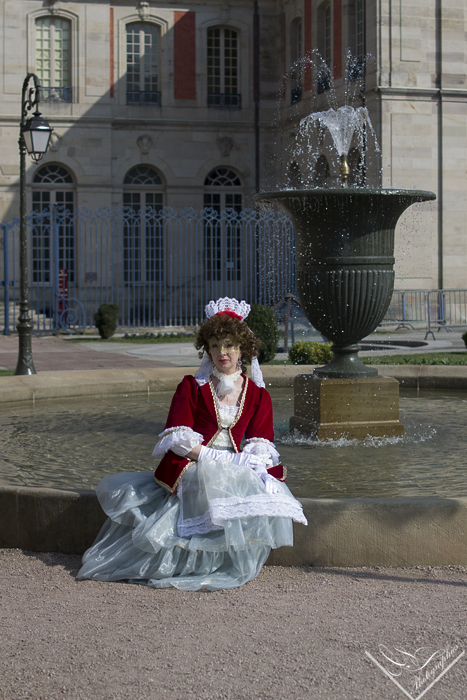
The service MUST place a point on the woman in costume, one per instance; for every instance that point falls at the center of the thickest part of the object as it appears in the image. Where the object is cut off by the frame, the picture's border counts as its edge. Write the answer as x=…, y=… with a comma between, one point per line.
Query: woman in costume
x=209, y=516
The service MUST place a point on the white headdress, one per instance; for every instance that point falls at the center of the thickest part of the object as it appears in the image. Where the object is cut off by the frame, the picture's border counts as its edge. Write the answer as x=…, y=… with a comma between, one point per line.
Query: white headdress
x=231, y=307
x=234, y=309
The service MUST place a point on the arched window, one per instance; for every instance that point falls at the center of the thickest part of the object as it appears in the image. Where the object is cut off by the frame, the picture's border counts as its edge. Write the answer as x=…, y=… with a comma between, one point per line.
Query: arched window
x=221, y=190
x=324, y=46
x=321, y=172
x=296, y=54
x=53, y=58
x=53, y=203
x=223, y=238
x=143, y=233
x=142, y=64
x=222, y=68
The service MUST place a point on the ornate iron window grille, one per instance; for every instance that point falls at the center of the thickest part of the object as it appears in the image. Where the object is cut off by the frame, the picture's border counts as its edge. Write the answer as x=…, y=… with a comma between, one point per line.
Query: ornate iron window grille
x=56, y=94
x=143, y=97
x=224, y=101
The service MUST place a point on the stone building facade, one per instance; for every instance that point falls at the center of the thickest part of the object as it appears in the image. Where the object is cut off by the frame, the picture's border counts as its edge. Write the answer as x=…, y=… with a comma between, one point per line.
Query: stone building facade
x=160, y=104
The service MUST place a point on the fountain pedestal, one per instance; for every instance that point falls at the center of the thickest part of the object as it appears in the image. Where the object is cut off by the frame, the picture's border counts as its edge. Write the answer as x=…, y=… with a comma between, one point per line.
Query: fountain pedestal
x=329, y=408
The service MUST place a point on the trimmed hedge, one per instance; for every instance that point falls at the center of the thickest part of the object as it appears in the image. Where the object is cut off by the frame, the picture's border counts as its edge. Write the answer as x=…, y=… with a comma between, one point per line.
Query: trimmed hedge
x=310, y=353
x=464, y=338
x=106, y=318
x=263, y=323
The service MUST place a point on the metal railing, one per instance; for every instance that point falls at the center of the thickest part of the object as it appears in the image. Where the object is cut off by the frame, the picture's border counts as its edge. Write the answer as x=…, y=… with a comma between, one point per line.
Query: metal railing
x=160, y=267
x=143, y=97
x=224, y=100
x=434, y=308
x=56, y=94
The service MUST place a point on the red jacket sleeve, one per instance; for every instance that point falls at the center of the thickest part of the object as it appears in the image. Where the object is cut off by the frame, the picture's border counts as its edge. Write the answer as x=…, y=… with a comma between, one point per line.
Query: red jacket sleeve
x=183, y=407
x=261, y=425
x=181, y=413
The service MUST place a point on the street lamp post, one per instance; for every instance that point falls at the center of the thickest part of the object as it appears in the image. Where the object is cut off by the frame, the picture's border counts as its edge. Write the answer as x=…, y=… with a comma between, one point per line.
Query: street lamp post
x=34, y=139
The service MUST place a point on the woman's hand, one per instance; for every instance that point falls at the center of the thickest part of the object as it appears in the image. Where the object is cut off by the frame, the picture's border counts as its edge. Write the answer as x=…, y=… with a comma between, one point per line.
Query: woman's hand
x=194, y=453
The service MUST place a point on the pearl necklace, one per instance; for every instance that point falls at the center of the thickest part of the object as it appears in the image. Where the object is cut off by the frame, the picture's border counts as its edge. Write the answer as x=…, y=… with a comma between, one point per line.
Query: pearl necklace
x=226, y=382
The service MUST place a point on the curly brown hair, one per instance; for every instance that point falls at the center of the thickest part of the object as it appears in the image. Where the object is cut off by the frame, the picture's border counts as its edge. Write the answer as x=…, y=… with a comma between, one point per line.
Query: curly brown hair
x=220, y=326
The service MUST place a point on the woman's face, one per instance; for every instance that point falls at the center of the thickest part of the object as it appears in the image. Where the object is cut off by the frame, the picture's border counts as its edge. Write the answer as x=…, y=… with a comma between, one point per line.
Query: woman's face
x=224, y=354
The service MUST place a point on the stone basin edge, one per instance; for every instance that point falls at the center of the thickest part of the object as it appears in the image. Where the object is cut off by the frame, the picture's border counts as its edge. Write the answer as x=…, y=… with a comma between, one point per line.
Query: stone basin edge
x=80, y=383
x=425, y=531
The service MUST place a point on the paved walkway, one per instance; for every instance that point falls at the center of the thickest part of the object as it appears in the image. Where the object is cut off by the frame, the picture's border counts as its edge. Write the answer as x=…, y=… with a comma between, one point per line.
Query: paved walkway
x=58, y=353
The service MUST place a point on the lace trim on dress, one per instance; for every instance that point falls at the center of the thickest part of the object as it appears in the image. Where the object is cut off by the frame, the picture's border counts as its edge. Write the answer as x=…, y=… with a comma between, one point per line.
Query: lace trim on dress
x=167, y=431
x=223, y=509
x=276, y=505
x=227, y=415
x=200, y=525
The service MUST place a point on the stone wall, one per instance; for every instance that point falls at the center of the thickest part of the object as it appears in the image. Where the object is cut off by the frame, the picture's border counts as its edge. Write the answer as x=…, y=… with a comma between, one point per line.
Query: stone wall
x=415, y=92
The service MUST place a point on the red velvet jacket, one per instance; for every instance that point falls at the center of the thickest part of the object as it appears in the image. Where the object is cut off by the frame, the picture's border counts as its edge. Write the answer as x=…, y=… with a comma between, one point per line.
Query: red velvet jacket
x=195, y=407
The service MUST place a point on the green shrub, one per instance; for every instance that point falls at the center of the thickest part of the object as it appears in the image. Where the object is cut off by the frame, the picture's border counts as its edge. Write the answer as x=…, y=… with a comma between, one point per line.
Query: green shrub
x=464, y=338
x=310, y=353
x=263, y=323
x=106, y=318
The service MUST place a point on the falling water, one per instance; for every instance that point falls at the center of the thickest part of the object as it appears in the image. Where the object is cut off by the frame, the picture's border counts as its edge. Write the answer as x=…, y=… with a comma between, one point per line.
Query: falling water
x=342, y=124
x=338, y=126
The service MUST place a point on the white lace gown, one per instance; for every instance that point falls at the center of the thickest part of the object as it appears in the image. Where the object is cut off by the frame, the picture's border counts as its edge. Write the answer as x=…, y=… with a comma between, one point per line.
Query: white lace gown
x=215, y=533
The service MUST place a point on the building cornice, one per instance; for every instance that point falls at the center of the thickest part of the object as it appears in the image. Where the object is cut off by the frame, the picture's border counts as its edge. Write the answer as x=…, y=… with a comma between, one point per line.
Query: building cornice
x=122, y=124
x=414, y=92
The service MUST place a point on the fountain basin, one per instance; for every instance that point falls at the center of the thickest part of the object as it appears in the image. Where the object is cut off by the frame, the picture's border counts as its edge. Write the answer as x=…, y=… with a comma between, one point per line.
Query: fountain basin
x=342, y=532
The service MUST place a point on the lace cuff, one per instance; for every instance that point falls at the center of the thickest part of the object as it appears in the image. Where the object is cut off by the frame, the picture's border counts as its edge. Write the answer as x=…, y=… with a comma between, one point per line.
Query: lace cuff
x=180, y=440
x=262, y=448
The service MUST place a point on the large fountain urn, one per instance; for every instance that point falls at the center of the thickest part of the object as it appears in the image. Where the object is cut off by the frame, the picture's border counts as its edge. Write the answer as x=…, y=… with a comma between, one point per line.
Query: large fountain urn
x=344, y=241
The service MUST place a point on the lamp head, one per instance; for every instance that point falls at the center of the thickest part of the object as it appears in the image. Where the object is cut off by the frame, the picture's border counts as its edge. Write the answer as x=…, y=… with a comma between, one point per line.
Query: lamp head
x=36, y=132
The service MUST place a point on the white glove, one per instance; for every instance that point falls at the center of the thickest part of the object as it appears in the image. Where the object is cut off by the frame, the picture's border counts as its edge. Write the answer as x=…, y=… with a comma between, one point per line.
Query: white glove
x=269, y=482
x=181, y=441
x=241, y=459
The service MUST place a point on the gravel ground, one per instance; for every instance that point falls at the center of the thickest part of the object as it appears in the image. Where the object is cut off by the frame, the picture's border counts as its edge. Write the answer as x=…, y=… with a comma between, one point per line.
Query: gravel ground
x=293, y=634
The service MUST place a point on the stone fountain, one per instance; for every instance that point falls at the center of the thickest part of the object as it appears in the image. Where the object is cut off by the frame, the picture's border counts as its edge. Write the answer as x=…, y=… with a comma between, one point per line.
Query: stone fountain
x=344, y=241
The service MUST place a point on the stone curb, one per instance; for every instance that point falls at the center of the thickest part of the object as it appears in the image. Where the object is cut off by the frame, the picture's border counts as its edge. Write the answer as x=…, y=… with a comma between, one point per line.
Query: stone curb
x=48, y=385
x=341, y=532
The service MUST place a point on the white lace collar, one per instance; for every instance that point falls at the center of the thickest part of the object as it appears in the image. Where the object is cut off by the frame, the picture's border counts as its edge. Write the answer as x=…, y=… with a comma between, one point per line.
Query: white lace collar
x=226, y=382
x=206, y=369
